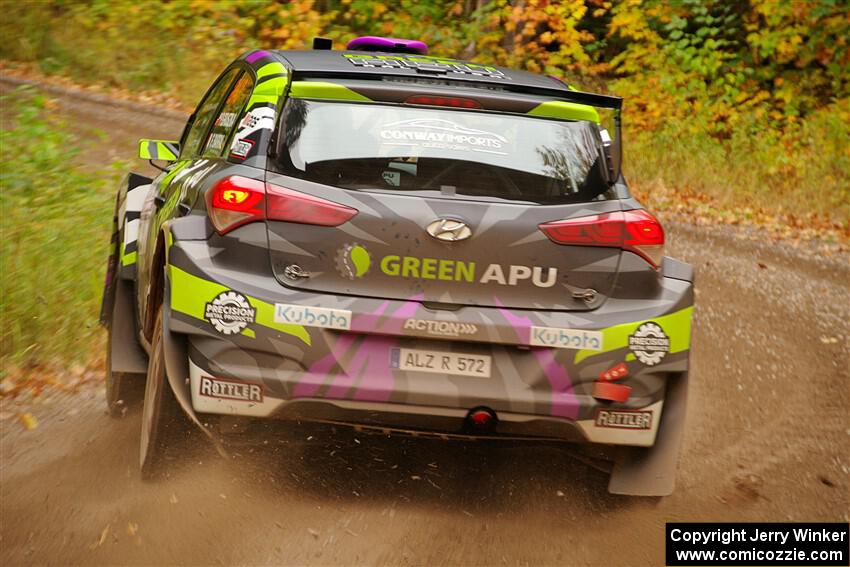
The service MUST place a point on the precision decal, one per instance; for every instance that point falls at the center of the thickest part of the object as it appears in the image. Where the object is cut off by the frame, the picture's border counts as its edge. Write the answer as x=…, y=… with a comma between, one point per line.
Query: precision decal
x=566, y=338
x=229, y=312
x=649, y=343
x=339, y=319
x=624, y=419
x=229, y=390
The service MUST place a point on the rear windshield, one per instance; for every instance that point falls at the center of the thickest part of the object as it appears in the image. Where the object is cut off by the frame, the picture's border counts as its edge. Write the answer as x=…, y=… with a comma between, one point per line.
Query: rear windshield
x=441, y=152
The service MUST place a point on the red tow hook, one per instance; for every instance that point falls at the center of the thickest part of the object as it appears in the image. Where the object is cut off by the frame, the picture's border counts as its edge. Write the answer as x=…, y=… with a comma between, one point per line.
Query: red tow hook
x=605, y=389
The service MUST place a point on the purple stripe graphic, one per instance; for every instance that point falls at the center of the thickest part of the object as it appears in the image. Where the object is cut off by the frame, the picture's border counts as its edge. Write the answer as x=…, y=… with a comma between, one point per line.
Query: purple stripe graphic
x=257, y=55
x=564, y=401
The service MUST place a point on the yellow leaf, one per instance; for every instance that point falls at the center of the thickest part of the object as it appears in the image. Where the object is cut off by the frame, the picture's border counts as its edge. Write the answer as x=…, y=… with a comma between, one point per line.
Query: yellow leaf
x=28, y=420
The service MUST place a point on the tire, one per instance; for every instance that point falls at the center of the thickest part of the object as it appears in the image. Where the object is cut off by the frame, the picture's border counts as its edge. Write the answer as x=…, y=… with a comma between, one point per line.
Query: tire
x=162, y=418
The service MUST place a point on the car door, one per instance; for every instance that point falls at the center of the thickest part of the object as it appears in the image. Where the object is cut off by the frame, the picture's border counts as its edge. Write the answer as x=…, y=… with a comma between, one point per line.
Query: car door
x=171, y=196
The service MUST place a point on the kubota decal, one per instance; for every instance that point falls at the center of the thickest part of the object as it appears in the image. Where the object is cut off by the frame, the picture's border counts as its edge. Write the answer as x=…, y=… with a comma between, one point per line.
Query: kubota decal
x=339, y=319
x=566, y=338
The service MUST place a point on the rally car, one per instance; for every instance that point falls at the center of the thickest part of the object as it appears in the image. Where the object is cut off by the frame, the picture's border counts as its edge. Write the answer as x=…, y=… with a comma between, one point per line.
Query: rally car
x=381, y=238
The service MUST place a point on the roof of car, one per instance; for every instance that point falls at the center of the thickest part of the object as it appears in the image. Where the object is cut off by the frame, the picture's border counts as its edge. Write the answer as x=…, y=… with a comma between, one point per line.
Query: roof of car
x=360, y=63
x=341, y=64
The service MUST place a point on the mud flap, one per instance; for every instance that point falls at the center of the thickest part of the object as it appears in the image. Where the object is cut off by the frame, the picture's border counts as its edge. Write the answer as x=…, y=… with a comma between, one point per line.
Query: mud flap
x=125, y=353
x=177, y=366
x=651, y=471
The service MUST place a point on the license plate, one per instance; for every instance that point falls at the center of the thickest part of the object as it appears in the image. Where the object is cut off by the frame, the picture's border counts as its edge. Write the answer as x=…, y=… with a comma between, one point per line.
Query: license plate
x=437, y=362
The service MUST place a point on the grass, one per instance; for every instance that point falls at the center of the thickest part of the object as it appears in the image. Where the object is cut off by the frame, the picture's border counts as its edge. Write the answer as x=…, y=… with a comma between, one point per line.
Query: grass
x=800, y=174
x=55, y=223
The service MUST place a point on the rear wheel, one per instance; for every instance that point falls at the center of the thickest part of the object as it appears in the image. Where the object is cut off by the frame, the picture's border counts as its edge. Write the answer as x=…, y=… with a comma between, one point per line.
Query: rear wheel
x=162, y=418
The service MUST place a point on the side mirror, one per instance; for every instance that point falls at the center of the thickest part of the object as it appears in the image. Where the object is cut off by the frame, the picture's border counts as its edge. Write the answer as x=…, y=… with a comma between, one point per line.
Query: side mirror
x=159, y=150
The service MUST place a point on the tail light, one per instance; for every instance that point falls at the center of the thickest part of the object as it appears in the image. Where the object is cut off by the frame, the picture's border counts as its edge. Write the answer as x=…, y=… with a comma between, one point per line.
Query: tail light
x=636, y=231
x=453, y=101
x=236, y=200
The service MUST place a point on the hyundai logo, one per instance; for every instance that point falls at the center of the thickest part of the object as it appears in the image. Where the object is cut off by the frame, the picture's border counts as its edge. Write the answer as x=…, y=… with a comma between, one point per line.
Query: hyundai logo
x=449, y=230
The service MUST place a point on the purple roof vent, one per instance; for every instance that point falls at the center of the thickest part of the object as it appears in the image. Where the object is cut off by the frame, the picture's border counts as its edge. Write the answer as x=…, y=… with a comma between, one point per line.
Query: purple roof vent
x=388, y=44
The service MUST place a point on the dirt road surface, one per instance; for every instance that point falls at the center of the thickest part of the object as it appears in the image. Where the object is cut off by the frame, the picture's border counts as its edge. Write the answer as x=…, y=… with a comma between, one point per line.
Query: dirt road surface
x=767, y=440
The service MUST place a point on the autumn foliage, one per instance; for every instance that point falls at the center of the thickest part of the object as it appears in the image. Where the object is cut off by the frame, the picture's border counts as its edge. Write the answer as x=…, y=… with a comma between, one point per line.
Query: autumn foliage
x=742, y=102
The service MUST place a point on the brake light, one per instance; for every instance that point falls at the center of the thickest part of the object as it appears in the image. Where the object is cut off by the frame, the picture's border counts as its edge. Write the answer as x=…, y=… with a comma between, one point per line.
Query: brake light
x=636, y=231
x=236, y=200
x=456, y=102
x=292, y=206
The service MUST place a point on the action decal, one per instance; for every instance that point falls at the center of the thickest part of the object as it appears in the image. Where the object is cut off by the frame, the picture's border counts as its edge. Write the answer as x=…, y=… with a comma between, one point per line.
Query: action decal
x=649, y=343
x=441, y=328
x=230, y=312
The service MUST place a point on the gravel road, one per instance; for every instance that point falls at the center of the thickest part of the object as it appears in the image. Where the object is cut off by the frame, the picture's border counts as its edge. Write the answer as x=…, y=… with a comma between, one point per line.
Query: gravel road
x=767, y=440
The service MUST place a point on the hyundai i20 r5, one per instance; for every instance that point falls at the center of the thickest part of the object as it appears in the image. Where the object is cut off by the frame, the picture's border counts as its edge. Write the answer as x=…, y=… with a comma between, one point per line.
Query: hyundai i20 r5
x=380, y=238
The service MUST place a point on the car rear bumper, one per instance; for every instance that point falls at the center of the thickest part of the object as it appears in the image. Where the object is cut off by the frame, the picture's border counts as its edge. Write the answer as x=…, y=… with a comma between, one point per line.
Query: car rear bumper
x=263, y=367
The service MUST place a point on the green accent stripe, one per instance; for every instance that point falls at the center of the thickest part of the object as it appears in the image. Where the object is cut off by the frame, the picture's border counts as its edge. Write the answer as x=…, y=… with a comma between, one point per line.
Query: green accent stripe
x=157, y=149
x=162, y=152
x=271, y=69
x=328, y=91
x=145, y=149
x=268, y=91
x=676, y=325
x=565, y=111
x=171, y=174
x=127, y=259
x=190, y=294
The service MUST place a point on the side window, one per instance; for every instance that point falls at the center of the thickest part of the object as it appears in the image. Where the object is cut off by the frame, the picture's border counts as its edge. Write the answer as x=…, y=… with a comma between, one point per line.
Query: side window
x=225, y=122
x=205, y=114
